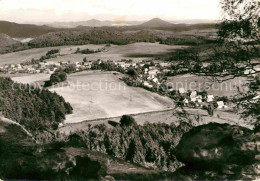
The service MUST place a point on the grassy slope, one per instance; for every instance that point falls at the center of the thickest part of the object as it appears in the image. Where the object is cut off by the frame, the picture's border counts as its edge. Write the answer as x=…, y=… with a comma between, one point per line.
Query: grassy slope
x=27, y=55
x=102, y=95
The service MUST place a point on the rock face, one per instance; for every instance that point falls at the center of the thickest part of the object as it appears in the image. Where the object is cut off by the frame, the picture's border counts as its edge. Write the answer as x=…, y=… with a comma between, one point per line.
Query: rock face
x=221, y=150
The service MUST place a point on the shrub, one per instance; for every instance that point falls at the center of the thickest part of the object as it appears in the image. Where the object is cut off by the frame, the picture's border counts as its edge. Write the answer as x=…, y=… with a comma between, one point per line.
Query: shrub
x=132, y=72
x=127, y=120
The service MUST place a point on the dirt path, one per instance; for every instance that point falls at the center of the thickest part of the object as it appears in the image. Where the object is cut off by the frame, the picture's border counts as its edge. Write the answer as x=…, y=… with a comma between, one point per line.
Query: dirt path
x=5, y=120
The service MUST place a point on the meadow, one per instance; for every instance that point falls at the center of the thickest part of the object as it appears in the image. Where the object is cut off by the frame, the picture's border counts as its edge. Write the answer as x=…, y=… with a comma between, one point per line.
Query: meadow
x=165, y=116
x=114, y=52
x=36, y=53
x=202, y=83
x=31, y=78
x=95, y=95
x=136, y=51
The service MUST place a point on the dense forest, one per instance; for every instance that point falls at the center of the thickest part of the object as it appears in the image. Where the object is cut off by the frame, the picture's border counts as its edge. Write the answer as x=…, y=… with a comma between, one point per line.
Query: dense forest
x=95, y=36
x=38, y=110
x=150, y=145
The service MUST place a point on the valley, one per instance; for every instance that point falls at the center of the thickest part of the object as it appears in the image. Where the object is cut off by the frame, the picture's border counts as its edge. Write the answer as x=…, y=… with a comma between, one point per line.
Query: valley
x=129, y=100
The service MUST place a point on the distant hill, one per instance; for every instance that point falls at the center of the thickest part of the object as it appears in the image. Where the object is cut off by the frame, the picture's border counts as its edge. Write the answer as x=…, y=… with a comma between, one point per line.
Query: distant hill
x=24, y=30
x=92, y=23
x=8, y=44
x=6, y=40
x=195, y=21
x=156, y=23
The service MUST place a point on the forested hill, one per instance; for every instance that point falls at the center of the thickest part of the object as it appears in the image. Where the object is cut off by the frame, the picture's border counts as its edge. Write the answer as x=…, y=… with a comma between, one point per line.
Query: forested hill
x=24, y=30
x=93, y=36
x=37, y=110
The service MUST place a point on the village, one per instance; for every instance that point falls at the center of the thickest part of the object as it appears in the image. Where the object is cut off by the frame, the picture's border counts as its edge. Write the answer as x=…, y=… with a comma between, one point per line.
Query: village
x=149, y=75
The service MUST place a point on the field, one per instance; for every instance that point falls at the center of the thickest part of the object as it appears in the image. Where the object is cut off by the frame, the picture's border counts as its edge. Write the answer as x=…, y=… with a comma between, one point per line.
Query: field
x=95, y=95
x=112, y=53
x=36, y=53
x=135, y=51
x=201, y=83
x=167, y=117
x=31, y=78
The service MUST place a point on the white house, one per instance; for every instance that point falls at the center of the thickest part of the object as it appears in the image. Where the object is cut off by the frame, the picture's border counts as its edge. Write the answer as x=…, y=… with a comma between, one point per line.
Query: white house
x=155, y=80
x=221, y=105
x=193, y=99
x=153, y=72
x=199, y=98
x=57, y=64
x=127, y=65
x=182, y=91
x=60, y=124
x=210, y=98
x=186, y=101
x=121, y=64
x=250, y=71
x=151, y=77
x=147, y=84
x=164, y=64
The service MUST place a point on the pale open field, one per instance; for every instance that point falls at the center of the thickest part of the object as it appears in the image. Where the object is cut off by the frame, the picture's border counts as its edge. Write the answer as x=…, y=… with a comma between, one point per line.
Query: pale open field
x=95, y=95
x=31, y=78
x=114, y=52
x=167, y=117
x=200, y=83
x=36, y=53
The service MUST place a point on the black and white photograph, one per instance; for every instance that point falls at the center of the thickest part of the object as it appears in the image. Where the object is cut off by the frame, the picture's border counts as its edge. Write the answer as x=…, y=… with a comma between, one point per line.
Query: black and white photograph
x=129, y=90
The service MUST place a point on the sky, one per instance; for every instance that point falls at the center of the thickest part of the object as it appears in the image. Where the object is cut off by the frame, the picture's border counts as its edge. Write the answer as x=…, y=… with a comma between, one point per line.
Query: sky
x=118, y=10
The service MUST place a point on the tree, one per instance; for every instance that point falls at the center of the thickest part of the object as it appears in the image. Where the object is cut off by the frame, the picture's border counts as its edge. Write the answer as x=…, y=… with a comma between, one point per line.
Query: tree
x=237, y=52
x=132, y=72
x=127, y=120
x=131, y=151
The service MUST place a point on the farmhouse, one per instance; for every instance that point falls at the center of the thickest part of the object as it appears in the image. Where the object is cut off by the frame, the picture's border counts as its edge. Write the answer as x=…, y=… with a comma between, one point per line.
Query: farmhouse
x=182, y=91
x=221, y=104
x=210, y=98
x=155, y=80
x=164, y=64
x=146, y=84
x=186, y=101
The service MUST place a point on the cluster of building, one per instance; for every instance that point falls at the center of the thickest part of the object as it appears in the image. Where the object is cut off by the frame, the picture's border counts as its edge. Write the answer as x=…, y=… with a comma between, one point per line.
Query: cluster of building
x=194, y=97
x=43, y=67
x=149, y=77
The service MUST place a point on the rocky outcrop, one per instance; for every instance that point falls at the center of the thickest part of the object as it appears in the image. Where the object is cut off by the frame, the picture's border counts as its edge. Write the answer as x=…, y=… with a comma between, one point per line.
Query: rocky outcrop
x=220, y=151
x=22, y=158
